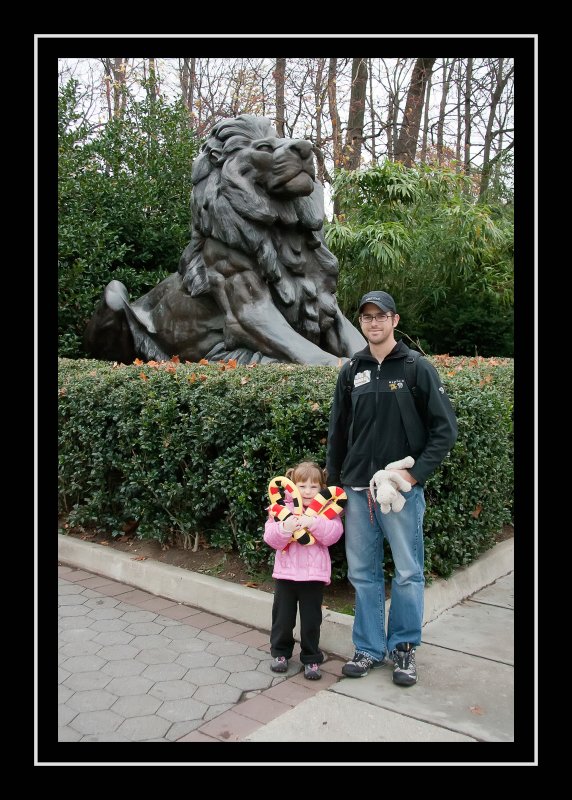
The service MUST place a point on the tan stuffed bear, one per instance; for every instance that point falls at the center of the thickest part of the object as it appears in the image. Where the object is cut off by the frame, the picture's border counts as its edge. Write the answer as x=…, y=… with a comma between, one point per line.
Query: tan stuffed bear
x=386, y=485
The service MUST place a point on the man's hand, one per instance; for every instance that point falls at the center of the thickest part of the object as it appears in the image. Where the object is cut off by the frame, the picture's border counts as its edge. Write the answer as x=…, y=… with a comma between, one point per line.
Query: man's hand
x=401, y=467
x=404, y=475
x=387, y=484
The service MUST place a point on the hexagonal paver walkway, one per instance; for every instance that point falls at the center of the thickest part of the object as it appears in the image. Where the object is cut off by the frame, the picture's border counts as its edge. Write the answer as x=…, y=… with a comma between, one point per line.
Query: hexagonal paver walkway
x=135, y=667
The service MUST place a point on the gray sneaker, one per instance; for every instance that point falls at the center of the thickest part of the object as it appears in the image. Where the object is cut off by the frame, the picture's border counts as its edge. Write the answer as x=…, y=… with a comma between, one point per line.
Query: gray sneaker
x=279, y=664
x=360, y=665
x=404, y=669
x=312, y=672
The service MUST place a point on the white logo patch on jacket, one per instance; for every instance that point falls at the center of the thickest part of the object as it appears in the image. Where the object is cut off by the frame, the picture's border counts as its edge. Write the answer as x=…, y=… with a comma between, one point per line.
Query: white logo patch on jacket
x=362, y=377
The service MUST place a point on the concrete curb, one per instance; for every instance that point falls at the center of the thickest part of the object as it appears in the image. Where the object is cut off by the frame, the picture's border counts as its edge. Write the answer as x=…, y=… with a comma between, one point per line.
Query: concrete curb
x=252, y=607
x=489, y=567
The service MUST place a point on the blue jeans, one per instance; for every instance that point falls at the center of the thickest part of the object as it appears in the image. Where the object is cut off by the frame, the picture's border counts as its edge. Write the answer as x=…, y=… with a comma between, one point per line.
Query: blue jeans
x=364, y=535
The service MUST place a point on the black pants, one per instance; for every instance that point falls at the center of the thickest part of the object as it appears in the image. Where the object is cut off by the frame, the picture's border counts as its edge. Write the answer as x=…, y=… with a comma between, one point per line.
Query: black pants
x=287, y=595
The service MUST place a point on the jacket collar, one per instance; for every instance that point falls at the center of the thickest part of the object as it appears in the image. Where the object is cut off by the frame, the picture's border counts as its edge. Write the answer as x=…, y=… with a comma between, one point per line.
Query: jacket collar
x=399, y=351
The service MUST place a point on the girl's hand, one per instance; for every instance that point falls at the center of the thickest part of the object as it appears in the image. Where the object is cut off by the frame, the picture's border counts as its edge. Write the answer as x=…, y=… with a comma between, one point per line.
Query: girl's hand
x=291, y=523
x=307, y=522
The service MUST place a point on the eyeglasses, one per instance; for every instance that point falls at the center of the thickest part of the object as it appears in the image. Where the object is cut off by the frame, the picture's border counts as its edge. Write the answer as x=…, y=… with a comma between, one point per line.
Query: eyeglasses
x=368, y=318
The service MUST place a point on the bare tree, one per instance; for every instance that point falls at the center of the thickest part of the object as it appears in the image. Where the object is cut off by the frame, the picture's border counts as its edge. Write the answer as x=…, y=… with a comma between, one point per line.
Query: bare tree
x=187, y=79
x=468, y=120
x=153, y=88
x=300, y=94
x=391, y=125
x=392, y=85
x=405, y=104
x=423, y=153
x=85, y=72
x=459, y=119
x=320, y=91
x=334, y=115
x=354, y=133
x=407, y=142
x=115, y=76
x=108, y=84
x=371, y=109
x=279, y=77
x=115, y=71
x=447, y=72
x=495, y=163
x=498, y=87
x=223, y=88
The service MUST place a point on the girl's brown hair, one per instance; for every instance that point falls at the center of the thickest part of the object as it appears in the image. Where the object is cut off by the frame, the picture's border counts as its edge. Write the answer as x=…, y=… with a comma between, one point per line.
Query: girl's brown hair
x=308, y=470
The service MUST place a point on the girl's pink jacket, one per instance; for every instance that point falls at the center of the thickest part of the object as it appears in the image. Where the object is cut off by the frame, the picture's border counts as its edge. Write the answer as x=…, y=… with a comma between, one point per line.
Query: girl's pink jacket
x=303, y=562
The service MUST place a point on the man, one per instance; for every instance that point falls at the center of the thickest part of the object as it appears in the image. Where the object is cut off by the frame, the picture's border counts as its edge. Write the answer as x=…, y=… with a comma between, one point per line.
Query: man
x=375, y=421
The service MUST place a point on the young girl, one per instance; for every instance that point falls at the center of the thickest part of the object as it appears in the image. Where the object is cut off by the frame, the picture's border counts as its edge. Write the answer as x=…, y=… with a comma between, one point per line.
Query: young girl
x=300, y=572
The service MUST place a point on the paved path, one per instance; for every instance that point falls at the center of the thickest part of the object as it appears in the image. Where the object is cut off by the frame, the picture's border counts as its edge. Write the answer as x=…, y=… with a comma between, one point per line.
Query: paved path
x=134, y=667
x=138, y=667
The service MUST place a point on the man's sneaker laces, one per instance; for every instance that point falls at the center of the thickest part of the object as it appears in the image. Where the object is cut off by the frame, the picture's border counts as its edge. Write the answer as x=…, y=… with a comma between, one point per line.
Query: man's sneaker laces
x=360, y=665
x=404, y=667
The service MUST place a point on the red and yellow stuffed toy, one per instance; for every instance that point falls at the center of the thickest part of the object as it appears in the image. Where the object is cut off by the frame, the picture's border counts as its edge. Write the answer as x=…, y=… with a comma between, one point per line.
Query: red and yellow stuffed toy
x=329, y=502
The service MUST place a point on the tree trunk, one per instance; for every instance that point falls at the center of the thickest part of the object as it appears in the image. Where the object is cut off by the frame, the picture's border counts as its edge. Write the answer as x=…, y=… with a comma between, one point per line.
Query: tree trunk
x=442, y=107
x=334, y=116
x=497, y=164
x=184, y=71
x=459, y=120
x=372, y=112
x=407, y=143
x=423, y=154
x=391, y=127
x=119, y=68
x=354, y=136
x=153, y=90
x=336, y=123
x=279, y=79
x=319, y=97
x=187, y=79
x=498, y=89
x=108, y=73
x=468, y=121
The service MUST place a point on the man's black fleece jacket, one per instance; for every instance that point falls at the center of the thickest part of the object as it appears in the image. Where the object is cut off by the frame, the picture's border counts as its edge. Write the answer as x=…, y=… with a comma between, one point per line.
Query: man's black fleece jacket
x=378, y=421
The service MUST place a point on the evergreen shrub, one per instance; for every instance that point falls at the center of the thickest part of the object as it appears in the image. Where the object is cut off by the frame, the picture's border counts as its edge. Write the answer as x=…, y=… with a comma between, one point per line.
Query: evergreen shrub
x=187, y=450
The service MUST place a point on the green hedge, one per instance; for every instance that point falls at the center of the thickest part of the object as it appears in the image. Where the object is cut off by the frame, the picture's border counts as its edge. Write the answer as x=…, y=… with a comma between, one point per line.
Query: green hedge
x=188, y=449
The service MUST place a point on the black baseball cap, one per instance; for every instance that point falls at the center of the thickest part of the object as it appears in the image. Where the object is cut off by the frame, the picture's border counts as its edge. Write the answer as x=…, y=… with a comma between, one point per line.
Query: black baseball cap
x=380, y=299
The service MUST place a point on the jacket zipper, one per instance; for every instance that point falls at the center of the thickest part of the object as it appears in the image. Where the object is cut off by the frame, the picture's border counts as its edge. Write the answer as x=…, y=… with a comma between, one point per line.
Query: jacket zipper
x=371, y=463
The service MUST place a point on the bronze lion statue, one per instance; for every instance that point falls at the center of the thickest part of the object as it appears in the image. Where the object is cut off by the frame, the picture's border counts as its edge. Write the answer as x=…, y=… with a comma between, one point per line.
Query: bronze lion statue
x=256, y=282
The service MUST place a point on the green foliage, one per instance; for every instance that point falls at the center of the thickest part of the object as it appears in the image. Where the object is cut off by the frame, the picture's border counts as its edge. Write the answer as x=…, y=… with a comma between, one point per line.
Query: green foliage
x=185, y=449
x=471, y=496
x=418, y=234
x=461, y=327
x=123, y=204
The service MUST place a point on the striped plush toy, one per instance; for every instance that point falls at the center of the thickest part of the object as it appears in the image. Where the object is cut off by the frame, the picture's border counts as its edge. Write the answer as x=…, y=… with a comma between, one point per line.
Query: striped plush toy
x=328, y=502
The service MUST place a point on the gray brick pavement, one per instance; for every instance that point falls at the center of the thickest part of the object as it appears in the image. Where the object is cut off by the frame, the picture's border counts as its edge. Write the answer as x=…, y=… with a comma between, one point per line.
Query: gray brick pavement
x=133, y=667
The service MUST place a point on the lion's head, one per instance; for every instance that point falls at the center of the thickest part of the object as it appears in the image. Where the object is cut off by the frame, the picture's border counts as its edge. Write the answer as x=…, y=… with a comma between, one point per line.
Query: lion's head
x=257, y=194
x=248, y=153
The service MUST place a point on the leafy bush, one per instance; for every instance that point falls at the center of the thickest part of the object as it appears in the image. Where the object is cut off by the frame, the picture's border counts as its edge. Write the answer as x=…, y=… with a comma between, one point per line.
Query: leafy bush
x=189, y=449
x=448, y=261
x=123, y=204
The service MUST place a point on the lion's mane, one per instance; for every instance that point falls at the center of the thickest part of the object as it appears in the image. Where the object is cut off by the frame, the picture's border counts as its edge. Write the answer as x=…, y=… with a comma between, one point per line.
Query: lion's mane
x=233, y=202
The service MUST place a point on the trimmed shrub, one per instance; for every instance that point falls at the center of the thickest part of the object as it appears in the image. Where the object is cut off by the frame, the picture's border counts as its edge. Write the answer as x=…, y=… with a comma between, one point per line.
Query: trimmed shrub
x=184, y=450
